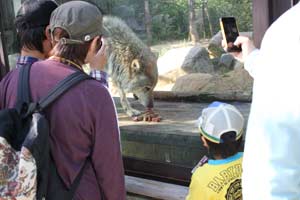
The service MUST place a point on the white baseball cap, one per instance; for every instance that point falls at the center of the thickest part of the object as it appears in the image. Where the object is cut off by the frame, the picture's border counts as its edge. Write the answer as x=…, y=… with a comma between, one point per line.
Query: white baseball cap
x=219, y=118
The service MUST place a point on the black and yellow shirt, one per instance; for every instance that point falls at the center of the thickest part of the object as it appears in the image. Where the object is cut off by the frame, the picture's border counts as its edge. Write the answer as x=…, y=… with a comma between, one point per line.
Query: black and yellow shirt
x=218, y=180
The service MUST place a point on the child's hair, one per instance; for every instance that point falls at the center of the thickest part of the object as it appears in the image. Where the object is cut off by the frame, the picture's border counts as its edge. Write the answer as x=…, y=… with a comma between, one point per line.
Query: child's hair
x=228, y=148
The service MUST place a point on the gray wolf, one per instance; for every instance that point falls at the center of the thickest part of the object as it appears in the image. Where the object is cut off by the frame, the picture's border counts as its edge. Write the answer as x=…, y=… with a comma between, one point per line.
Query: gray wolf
x=130, y=64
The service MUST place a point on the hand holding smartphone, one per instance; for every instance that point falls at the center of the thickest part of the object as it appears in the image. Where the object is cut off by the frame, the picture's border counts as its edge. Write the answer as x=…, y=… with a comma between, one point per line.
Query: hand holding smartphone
x=230, y=33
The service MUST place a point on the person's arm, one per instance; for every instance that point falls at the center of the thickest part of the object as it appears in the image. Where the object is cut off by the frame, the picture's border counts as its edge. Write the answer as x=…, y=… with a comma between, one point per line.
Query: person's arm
x=106, y=155
x=251, y=62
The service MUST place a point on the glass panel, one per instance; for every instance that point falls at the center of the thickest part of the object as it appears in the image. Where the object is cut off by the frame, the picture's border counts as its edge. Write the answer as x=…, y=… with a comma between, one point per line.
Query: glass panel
x=177, y=141
x=8, y=32
x=164, y=25
x=188, y=70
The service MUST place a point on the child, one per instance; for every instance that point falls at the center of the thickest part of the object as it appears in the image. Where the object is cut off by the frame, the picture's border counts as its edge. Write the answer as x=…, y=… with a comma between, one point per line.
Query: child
x=221, y=129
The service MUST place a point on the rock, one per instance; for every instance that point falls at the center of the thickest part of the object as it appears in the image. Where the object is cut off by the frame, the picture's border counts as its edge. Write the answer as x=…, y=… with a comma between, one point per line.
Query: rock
x=238, y=65
x=172, y=59
x=236, y=81
x=226, y=60
x=234, y=85
x=198, y=61
x=167, y=80
x=225, y=64
x=215, y=44
x=191, y=83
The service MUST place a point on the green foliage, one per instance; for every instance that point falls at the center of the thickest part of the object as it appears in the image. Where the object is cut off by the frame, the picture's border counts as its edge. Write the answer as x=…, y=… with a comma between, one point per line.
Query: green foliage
x=241, y=10
x=170, y=17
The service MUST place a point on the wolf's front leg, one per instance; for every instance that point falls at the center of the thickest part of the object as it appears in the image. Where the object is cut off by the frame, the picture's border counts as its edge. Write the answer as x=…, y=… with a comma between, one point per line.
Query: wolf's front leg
x=126, y=105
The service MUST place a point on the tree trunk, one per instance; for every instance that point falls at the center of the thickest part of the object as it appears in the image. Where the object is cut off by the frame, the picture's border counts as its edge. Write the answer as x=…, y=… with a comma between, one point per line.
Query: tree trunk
x=148, y=22
x=208, y=19
x=201, y=23
x=194, y=36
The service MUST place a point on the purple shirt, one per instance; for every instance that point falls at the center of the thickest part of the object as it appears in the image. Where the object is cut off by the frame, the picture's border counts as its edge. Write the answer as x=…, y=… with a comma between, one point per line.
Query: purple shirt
x=83, y=125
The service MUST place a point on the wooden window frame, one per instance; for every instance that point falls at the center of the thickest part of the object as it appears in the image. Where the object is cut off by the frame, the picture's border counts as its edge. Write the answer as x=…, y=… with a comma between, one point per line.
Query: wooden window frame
x=265, y=12
x=4, y=65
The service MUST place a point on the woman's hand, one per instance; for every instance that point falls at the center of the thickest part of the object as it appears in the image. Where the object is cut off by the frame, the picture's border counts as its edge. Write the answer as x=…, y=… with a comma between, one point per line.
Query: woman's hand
x=247, y=47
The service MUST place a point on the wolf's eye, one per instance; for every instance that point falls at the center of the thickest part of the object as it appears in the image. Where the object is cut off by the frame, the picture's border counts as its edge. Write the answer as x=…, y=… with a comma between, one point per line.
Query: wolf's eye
x=135, y=65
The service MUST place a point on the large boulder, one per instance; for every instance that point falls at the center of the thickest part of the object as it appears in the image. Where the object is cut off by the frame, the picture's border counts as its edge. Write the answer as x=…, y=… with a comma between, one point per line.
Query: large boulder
x=236, y=84
x=198, y=61
x=166, y=81
x=191, y=83
x=172, y=59
x=225, y=63
x=169, y=69
x=215, y=45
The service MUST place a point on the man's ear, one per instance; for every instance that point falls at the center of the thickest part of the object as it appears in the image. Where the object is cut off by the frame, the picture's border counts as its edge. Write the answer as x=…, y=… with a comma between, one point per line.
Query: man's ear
x=48, y=33
x=204, y=141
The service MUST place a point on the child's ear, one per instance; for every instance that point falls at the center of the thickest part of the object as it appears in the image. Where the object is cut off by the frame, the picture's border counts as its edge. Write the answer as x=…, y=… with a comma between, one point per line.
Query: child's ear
x=204, y=141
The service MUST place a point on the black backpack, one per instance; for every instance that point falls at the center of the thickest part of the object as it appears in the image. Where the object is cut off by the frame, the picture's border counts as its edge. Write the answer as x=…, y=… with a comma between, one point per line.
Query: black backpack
x=27, y=169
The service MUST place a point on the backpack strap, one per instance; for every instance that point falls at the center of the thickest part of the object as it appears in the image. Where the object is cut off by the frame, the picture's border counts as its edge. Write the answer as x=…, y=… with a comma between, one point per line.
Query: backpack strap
x=23, y=94
x=56, y=188
x=62, y=87
x=24, y=100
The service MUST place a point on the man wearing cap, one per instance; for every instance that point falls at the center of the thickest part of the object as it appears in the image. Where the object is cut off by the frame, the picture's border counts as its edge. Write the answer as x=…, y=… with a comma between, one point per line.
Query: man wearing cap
x=84, y=131
x=219, y=176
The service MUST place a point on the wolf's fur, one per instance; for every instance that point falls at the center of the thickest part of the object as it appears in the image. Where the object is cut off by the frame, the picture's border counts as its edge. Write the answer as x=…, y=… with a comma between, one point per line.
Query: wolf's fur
x=130, y=64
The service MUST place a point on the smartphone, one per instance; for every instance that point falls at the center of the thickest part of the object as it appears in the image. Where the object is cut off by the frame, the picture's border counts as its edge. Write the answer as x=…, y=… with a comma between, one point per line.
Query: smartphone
x=230, y=32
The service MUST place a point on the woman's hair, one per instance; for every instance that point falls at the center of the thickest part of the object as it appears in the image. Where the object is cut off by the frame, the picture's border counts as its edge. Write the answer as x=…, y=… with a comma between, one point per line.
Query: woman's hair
x=229, y=147
x=74, y=52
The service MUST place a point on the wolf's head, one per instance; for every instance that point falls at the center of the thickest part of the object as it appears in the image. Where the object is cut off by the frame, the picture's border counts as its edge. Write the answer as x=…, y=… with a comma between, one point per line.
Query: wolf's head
x=139, y=77
x=144, y=77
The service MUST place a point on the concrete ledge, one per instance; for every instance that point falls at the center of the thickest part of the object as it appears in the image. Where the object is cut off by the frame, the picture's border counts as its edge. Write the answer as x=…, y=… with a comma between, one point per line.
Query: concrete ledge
x=200, y=97
x=174, y=140
x=155, y=189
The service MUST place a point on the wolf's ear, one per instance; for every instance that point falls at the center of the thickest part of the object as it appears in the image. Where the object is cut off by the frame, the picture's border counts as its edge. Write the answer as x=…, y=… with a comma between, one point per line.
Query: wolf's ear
x=135, y=65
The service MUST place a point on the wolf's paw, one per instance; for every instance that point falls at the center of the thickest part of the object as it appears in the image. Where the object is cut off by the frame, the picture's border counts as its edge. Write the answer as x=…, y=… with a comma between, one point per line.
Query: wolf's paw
x=133, y=112
x=148, y=116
